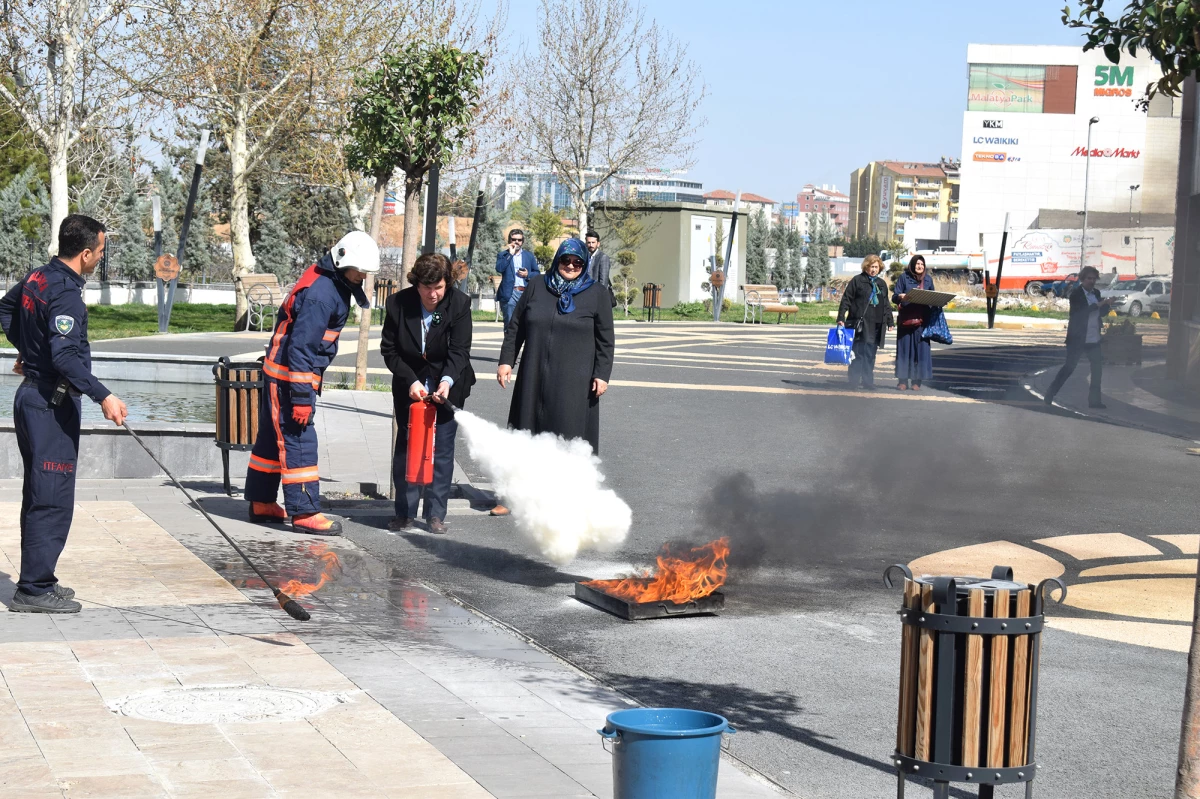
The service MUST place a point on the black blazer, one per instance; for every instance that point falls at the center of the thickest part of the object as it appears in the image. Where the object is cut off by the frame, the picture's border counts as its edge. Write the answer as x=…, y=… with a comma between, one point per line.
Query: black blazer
x=447, y=350
x=1080, y=311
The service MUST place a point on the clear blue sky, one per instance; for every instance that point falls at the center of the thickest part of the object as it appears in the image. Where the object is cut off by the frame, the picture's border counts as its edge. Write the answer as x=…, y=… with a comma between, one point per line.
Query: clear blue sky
x=806, y=92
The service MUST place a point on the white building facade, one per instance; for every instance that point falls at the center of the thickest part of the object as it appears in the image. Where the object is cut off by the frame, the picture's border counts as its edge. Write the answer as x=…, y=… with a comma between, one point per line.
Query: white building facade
x=515, y=180
x=1025, y=150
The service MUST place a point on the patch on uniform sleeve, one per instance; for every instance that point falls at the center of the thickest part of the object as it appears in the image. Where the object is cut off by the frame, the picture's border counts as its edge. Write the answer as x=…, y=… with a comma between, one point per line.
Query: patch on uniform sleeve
x=64, y=324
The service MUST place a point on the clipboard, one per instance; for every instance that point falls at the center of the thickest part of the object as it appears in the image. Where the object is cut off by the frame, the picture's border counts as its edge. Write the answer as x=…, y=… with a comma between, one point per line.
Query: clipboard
x=937, y=299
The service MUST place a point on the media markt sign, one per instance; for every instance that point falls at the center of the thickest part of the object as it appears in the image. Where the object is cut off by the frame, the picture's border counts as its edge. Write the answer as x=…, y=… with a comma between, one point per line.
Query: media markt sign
x=1109, y=80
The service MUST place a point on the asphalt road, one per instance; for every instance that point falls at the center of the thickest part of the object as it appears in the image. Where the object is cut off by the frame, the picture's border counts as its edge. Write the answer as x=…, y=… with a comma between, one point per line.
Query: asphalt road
x=741, y=431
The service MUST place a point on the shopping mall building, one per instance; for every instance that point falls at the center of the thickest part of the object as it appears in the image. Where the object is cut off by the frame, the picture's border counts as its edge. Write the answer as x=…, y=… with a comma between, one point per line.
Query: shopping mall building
x=1025, y=155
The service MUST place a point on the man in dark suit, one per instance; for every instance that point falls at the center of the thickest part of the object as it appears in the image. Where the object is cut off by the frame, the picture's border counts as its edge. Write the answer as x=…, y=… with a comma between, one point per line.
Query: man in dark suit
x=515, y=265
x=1083, y=335
x=427, y=347
x=599, y=267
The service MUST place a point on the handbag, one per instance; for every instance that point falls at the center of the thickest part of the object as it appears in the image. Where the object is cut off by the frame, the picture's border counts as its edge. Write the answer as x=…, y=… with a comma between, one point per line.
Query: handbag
x=838, y=346
x=612, y=295
x=936, y=328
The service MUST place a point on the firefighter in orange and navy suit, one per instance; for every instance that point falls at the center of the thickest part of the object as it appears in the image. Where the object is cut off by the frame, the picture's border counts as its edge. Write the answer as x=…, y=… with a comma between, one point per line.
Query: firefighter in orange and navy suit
x=304, y=342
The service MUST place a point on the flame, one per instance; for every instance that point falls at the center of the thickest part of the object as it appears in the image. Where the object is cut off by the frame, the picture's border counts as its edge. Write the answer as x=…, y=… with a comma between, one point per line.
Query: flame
x=678, y=578
x=329, y=564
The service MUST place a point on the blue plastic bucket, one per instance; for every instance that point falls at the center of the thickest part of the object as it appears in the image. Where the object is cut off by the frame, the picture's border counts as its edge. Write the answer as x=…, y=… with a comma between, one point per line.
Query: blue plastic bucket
x=665, y=752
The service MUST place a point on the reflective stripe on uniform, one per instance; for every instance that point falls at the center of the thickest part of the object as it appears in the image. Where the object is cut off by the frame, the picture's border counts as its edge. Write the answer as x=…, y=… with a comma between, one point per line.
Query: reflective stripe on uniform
x=306, y=475
x=331, y=335
x=279, y=372
x=263, y=465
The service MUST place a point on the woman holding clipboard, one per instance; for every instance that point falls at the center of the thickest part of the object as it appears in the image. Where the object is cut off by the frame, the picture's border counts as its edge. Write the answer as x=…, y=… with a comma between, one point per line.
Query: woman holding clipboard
x=914, y=356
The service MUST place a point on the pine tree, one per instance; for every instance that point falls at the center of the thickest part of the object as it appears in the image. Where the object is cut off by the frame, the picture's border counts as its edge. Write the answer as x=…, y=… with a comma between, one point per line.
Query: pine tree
x=171, y=199
x=16, y=202
x=818, y=273
x=777, y=241
x=794, y=244
x=273, y=253
x=129, y=256
x=756, y=244
x=488, y=243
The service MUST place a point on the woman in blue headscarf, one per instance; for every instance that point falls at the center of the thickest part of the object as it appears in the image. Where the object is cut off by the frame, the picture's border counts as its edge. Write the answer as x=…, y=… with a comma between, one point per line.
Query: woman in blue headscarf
x=562, y=328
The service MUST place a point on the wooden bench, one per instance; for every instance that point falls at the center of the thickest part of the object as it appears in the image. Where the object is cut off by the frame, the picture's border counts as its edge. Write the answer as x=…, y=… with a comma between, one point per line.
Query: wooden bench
x=761, y=298
x=264, y=295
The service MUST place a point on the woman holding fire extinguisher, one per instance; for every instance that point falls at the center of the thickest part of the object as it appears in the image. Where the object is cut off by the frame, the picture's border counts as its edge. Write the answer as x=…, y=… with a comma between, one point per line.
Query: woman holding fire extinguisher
x=427, y=347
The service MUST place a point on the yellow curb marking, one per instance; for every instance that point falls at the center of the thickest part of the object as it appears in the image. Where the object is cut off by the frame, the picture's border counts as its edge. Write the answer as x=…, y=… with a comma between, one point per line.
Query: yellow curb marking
x=1179, y=566
x=1168, y=598
x=1092, y=546
x=1187, y=544
x=977, y=560
x=797, y=391
x=1171, y=637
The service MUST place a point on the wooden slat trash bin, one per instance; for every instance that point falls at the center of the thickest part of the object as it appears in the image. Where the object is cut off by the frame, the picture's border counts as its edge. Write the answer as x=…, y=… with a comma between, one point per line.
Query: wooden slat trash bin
x=968, y=679
x=239, y=390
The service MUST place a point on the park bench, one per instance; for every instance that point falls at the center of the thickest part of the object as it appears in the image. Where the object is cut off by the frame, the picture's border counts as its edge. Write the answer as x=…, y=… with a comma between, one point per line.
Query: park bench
x=264, y=295
x=495, y=281
x=761, y=298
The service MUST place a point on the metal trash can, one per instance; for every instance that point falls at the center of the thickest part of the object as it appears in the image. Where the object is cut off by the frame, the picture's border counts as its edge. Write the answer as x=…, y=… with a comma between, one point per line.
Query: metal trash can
x=665, y=752
x=968, y=679
x=651, y=300
x=239, y=390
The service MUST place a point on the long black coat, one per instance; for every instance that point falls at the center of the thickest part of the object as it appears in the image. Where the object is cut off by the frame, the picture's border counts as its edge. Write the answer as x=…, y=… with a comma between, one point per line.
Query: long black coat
x=447, y=348
x=562, y=354
x=856, y=305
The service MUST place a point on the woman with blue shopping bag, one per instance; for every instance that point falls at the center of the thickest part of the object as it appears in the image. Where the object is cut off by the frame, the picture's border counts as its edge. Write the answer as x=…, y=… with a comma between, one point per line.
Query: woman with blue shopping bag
x=866, y=310
x=914, y=357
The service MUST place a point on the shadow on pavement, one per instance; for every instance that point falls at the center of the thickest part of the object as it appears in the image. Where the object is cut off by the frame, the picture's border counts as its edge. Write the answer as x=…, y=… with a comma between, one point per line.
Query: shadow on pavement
x=491, y=562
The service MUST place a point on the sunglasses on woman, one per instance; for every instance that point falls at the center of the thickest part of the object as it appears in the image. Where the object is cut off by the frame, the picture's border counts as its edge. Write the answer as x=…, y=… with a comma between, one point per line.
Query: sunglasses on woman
x=571, y=261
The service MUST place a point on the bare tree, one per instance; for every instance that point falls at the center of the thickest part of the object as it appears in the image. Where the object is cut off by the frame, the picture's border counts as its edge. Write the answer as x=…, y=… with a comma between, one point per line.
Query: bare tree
x=255, y=70
x=70, y=68
x=607, y=92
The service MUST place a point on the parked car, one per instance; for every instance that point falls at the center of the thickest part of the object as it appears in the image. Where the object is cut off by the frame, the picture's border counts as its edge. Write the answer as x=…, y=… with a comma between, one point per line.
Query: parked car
x=1061, y=288
x=1162, y=303
x=1134, y=297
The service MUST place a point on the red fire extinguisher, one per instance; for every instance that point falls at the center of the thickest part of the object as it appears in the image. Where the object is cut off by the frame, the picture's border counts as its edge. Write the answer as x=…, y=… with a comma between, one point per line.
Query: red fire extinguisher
x=422, y=419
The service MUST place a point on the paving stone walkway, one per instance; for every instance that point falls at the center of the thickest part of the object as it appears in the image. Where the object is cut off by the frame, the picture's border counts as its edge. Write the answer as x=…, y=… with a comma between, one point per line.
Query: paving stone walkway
x=408, y=694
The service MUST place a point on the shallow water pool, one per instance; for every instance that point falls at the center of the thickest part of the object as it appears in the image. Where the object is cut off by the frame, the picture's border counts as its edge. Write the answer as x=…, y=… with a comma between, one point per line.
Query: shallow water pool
x=153, y=402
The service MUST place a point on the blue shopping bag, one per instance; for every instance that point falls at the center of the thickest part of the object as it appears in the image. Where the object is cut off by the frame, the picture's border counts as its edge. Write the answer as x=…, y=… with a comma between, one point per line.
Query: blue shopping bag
x=838, y=345
x=936, y=328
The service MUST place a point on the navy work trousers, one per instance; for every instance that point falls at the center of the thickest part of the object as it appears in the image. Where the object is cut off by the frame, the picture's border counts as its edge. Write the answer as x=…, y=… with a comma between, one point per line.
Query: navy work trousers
x=48, y=438
x=437, y=494
x=283, y=451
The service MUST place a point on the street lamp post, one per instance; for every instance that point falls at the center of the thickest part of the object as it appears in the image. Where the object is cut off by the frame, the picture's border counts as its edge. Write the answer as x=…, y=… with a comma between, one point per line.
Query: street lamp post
x=1132, y=189
x=1086, y=168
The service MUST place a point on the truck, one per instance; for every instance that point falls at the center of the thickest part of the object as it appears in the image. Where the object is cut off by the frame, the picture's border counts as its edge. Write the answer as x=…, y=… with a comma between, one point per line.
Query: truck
x=964, y=266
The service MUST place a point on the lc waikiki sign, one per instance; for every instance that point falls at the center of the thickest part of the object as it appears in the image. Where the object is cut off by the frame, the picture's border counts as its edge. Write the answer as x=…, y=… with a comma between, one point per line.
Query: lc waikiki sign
x=1110, y=79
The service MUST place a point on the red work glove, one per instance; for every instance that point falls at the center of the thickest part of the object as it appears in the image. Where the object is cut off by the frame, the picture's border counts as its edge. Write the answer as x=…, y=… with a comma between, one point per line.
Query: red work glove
x=302, y=414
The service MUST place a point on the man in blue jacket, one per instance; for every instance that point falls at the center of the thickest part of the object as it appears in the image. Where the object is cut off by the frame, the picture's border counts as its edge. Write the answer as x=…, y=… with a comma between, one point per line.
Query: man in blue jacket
x=515, y=265
x=45, y=319
x=304, y=343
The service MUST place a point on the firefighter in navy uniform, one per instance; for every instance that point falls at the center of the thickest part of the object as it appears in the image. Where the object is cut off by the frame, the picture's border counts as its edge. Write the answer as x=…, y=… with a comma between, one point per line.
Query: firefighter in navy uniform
x=304, y=343
x=45, y=318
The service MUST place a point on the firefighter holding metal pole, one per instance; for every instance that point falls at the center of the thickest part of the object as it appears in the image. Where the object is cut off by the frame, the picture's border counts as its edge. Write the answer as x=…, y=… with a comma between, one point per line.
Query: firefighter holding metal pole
x=303, y=344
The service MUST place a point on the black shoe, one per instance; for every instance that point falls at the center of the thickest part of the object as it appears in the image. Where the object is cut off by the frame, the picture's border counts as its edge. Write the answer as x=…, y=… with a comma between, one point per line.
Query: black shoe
x=63, y=591
x=49, y=602
x=399, y=523
x=1098, y=405
x=1048, y=399
x=437, y=526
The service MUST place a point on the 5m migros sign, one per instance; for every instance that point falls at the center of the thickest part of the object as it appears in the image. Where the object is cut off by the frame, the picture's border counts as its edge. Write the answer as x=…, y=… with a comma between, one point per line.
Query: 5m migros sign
x=1110, y=78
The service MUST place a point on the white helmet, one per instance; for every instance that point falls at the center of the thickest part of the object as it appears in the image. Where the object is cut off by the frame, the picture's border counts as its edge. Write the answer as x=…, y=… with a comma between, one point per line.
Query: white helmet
x=357, y=250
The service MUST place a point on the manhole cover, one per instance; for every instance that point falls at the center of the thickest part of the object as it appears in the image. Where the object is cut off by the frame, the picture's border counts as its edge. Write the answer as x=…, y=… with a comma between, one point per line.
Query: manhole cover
x=218, y=704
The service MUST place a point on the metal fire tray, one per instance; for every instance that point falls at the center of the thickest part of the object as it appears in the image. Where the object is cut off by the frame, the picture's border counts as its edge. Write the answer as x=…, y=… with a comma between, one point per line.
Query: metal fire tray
x=634, y=611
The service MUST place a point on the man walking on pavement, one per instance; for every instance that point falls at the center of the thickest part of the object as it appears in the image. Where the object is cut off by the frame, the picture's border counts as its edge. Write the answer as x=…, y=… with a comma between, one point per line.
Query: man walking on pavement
x=515, y=266
x=45, y=318
x=599, y=267
x=304, y=343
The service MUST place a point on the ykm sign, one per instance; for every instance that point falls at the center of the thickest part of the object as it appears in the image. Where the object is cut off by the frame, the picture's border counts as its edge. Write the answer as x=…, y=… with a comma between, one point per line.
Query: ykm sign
x=1109, y=80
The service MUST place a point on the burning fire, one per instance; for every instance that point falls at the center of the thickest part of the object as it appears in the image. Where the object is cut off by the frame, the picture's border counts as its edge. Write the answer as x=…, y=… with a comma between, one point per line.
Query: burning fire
x=678, y=578
x=329, y=564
